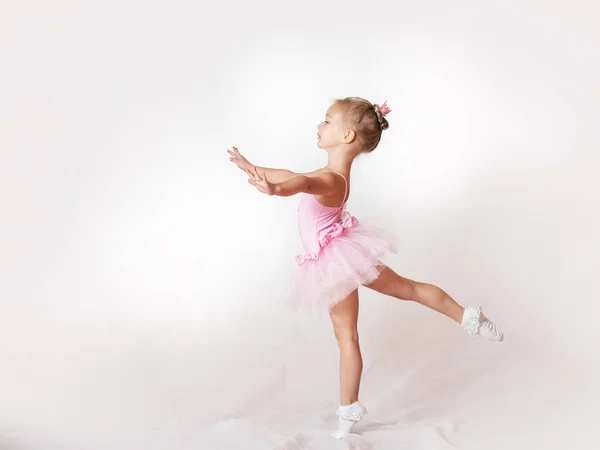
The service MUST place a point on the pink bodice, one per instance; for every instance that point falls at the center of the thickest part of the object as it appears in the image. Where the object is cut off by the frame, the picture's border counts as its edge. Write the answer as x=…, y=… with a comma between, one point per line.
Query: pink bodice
x=319, y=224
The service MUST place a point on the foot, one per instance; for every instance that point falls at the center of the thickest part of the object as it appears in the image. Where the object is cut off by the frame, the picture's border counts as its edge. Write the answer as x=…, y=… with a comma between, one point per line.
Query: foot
x=348, y=416
x=476, y=324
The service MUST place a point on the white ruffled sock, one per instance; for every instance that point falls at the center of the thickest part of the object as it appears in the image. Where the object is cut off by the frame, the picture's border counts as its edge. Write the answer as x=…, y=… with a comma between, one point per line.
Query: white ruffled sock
x=348, y=415
x=476, y=324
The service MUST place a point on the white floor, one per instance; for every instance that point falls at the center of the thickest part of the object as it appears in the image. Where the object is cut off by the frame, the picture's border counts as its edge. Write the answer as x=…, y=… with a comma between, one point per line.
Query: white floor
x=66, y=388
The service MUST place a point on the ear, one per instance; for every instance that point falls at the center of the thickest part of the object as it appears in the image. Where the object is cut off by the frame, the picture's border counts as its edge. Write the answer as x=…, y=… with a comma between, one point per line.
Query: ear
x=350, y=136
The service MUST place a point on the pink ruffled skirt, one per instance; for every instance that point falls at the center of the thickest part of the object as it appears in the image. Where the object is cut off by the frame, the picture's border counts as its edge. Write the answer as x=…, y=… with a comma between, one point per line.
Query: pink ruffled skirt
x=349, y=256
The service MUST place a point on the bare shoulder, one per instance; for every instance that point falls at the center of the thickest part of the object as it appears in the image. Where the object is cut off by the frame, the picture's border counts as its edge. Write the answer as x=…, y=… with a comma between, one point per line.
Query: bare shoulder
x=336, y=199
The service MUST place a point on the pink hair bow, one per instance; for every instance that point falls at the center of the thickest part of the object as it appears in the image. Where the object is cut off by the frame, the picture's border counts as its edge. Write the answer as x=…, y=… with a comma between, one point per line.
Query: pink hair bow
x=385, y=109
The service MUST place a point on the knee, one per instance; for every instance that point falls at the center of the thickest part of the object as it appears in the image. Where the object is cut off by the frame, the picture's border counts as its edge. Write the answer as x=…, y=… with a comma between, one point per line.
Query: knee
x=346, y=336
x=426, y=293
x=408, y=290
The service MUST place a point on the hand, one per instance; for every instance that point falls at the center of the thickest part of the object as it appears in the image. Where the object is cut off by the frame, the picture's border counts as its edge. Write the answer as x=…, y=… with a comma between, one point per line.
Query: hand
x=239, y=160
x=260, y=181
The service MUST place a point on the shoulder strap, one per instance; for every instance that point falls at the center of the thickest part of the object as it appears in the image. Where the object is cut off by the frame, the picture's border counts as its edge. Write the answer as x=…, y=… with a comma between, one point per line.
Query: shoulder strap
x=345, y=189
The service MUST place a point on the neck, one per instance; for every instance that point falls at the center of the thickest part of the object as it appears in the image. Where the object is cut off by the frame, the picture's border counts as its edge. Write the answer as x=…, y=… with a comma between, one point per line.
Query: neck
x=339, y=161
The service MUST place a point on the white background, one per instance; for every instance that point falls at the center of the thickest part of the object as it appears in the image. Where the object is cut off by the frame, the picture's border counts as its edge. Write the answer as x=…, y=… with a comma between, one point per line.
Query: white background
x=139, y=271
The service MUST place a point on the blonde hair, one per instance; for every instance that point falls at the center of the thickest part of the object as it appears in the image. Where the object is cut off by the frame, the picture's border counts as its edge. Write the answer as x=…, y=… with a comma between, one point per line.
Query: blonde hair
x=366, y=119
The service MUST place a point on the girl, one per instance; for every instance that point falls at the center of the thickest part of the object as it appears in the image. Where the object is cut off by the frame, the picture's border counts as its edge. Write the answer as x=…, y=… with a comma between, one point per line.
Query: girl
x=343, y=253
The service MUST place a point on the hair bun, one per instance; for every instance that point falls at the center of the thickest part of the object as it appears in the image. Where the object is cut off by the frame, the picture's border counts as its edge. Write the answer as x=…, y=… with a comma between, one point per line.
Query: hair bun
x=383, y=123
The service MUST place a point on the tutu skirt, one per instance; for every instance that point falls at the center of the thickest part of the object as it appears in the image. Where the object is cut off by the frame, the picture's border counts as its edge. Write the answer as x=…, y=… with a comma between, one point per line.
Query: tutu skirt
x=349, y=256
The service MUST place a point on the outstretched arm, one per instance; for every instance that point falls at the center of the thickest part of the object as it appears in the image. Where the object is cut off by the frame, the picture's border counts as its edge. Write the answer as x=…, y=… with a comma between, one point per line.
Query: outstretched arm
x=292, y=186
x=273, y=175
x=276, y=175
x=322, y=184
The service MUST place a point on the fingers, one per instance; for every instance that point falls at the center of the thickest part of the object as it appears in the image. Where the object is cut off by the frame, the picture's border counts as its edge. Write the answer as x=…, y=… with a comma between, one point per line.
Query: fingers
x=235, y=153
x=233, y=156
x=254, y=176
x=237, y=158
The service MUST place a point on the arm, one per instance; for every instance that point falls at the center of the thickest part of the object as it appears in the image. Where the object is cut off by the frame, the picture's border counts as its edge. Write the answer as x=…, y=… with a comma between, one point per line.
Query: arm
x=277, y=175
x=318, y=185
x=273, y=175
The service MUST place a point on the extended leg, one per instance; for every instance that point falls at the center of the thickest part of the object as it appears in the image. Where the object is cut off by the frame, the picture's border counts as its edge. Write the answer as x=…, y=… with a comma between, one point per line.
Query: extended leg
x=472, y=319
x=390, y=283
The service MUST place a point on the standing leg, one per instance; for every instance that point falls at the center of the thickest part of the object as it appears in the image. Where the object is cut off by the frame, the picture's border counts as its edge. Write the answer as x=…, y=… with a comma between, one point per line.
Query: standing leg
x=472, y=319
x=344, y=316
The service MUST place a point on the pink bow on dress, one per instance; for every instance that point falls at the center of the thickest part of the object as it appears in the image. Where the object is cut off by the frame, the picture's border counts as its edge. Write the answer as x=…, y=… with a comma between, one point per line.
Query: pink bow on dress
x=336, y=229
x=333, y=232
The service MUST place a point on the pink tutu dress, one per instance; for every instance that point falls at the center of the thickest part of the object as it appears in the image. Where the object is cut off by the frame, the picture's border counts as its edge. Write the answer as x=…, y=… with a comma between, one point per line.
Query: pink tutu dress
x=341, y=254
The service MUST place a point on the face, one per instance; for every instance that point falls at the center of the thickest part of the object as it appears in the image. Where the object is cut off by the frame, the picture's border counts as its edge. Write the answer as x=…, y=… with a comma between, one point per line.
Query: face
x=330, y=132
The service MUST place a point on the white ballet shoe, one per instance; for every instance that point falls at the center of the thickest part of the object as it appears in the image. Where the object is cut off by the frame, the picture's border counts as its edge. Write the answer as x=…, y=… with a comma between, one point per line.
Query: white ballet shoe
x=476, y=324
x=348, y=416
